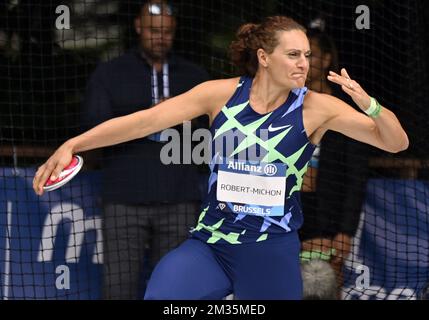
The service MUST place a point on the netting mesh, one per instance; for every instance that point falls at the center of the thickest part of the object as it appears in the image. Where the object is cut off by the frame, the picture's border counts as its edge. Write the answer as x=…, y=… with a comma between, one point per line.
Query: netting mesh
x=366, y=211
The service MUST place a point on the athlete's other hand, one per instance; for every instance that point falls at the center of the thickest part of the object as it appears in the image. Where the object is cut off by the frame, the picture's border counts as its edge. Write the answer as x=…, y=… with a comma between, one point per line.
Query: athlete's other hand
x=352, y=88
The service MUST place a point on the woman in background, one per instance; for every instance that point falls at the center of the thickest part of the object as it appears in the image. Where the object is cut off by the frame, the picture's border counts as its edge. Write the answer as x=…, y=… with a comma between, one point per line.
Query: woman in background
x=334, y=185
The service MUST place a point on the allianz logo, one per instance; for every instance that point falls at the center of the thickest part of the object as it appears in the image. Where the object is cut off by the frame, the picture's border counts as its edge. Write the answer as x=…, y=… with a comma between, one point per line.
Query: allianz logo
x=269, y=169
x=72, y=214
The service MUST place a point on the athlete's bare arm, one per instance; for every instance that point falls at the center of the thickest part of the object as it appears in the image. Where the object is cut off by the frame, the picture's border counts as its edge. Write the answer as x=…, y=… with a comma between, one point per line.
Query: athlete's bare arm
x=323, y=112
x=206, y=98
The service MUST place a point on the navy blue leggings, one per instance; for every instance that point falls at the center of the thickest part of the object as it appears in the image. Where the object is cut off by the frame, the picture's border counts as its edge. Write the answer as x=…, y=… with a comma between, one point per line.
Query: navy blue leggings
x=253, y=271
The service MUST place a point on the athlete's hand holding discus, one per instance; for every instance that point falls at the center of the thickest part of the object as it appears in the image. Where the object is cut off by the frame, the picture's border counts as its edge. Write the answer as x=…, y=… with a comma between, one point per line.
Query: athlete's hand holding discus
x=52, y=168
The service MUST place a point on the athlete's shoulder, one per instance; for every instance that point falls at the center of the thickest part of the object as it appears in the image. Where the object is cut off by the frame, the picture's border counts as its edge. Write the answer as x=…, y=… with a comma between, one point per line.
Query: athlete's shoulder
x=322, y=106
x=321, y=101
x=227, y=84
x=216, y=93
x=219, y=89
x=312, y=97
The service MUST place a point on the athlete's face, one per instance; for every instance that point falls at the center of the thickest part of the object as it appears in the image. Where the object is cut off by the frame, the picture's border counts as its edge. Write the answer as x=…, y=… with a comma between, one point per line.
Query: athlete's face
x=289, y=63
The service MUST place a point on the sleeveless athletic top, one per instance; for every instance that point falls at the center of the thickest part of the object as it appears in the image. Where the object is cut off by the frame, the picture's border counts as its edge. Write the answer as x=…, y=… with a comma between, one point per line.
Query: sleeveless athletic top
x=257, y=168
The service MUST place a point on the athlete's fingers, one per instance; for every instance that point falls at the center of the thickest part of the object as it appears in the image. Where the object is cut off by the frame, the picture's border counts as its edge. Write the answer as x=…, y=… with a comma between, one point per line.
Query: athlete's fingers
x=344, y=73
x=344, y=82
x=336, y=78
x=40, y=178
x=50, y=170
x=349, y=91
x=36, y=179
x=57, y=171
x=45, y=175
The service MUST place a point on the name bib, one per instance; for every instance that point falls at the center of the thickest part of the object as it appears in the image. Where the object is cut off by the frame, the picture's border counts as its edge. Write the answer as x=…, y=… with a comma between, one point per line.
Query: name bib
x=252, y=188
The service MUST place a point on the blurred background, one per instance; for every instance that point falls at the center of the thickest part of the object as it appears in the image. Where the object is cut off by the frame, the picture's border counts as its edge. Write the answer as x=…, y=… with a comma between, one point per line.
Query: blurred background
x=44, y=73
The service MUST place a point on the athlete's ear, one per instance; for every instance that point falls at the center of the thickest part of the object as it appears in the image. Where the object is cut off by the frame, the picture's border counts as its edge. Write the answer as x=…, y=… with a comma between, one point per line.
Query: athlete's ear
x=262, y=57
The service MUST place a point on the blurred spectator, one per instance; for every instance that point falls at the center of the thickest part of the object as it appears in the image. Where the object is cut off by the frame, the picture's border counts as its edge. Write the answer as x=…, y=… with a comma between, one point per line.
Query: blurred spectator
x=334, y=186
x=146, y=204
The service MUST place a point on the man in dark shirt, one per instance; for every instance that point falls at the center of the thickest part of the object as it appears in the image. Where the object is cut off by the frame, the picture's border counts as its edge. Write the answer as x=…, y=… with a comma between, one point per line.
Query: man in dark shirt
x=146, y=204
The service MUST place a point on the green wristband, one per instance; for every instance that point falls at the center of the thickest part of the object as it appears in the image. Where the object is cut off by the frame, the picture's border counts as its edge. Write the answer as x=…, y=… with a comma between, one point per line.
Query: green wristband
x=374, y=108
x=377, y=111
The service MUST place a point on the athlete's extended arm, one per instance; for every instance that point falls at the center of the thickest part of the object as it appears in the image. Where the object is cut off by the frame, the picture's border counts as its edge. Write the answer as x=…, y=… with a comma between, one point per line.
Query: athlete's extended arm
x=202, y=99
x=384, y=131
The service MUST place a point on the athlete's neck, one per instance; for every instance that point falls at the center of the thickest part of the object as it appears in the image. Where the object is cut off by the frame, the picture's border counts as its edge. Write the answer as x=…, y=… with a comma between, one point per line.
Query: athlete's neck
x=265, y=96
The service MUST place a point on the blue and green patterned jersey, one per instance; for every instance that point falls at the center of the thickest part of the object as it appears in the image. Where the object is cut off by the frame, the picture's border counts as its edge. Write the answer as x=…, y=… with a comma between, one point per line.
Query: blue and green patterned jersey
x=257, y=166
